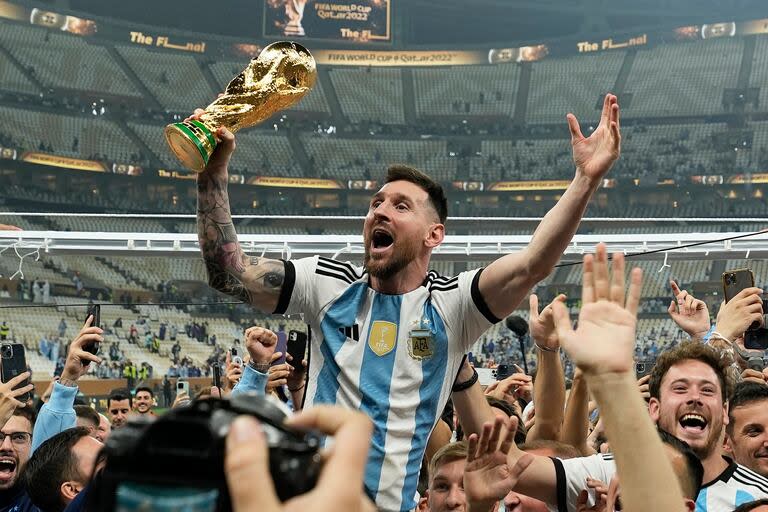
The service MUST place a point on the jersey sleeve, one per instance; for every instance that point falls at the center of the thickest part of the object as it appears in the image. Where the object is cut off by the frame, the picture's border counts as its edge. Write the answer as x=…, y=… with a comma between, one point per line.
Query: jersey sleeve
x=311, y=283
x=295, y=296
x=572, y=477
x=463, y=307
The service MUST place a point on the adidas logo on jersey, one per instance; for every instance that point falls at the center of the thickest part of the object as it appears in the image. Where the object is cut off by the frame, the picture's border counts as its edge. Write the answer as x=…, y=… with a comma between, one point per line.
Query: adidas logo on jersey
x=351, y=332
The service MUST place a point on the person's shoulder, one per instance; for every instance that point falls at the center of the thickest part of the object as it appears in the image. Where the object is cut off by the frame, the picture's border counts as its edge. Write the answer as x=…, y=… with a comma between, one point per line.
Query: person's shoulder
x=743, y=476
x=342, y=271
x=437, y=283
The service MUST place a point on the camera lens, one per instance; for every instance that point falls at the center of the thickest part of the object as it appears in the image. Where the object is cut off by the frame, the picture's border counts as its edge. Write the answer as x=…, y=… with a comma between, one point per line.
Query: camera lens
x=6, y=352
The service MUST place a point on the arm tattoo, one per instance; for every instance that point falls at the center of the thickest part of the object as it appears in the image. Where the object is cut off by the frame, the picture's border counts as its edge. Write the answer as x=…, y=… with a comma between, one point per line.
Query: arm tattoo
x=253, y=280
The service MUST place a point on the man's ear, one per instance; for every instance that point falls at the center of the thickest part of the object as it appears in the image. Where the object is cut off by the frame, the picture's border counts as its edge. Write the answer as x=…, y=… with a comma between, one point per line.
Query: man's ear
x=653, y=409
x=727, y=444
x=70, y=489
x=435, y=236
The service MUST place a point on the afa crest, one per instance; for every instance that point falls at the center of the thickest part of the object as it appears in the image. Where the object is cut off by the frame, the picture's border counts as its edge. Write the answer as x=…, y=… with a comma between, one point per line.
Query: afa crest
x=382, y=337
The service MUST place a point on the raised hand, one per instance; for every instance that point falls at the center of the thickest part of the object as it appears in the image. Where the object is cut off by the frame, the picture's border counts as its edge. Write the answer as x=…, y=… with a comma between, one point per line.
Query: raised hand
x=278, y=375
x=8, y=396
x=78, y=358
x=487, y=475
x=736, y=315
x=340, y=485
x=217, y=164
x=511, y=388
x=542, y=325
x=261, y=344
x=605, y=338
x=594, y=155
x=232, y=374
x=688, y=312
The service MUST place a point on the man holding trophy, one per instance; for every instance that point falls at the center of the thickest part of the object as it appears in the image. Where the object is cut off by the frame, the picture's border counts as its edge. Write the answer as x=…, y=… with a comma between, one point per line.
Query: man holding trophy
x=413, y=325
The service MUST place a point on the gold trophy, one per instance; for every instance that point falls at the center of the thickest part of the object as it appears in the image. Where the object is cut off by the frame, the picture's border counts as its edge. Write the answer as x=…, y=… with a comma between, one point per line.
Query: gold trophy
x=279, y=77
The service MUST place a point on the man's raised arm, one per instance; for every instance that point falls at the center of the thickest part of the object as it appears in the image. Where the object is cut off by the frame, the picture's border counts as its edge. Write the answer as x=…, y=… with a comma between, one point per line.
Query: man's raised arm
x=507, y=280
x=257, y=281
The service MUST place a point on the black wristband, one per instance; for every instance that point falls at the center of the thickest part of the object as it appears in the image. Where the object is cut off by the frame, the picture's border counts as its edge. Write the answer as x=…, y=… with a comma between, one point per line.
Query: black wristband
x=462, y=386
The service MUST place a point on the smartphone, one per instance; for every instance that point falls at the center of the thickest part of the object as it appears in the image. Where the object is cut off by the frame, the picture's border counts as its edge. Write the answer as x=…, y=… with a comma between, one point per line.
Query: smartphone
x=297, y=346
x=503, y=371
x=736, y=280
x=95, y=310
x=643, y=368
x=182, y=386
x=217, y=375
x=13, y=362
x=282, y=347
x=235, y=358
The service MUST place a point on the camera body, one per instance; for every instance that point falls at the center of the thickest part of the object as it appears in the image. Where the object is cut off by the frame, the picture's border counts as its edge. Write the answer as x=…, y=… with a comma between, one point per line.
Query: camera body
x=182, y=452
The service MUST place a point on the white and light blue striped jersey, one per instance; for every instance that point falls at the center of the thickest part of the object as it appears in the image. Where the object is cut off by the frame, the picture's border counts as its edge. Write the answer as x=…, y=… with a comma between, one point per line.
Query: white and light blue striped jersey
x=393, y=357
x=733, y=487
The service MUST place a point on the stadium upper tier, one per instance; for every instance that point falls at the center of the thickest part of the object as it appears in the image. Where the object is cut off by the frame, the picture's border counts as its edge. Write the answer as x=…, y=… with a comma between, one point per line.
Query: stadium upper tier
x=675, y=98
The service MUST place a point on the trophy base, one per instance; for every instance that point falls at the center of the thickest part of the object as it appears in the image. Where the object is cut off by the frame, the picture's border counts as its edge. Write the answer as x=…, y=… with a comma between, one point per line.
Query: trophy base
x=192, y=142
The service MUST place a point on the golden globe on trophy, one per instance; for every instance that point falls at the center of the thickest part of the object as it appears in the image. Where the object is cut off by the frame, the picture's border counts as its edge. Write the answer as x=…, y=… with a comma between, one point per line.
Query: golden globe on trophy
x=279, y=77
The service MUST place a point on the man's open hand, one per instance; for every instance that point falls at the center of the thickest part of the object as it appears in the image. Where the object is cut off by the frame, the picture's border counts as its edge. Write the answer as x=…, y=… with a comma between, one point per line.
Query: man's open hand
x=604, y=341
x=594, y=155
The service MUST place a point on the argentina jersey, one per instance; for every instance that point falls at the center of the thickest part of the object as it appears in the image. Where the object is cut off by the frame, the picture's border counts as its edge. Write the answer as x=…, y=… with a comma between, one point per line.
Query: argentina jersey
x=733, y=487
x=393, y=357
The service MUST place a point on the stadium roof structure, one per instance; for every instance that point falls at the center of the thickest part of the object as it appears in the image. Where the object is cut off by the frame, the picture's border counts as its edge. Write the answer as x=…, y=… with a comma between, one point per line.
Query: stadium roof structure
x=661, y=246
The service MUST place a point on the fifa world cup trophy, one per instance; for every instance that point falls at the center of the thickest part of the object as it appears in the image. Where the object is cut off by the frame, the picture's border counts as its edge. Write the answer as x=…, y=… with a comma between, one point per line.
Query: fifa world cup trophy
x=278, y=78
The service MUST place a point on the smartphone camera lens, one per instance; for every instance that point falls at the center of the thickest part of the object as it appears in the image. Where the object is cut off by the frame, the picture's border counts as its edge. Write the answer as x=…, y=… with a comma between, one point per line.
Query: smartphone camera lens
x=6, y=352
x=730, y=279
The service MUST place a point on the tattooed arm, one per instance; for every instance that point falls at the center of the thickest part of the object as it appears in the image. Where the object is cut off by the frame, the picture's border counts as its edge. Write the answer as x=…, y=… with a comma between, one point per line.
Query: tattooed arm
x=257, y=281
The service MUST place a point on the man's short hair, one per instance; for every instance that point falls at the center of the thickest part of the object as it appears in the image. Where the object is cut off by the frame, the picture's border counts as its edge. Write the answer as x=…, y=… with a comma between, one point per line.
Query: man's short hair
x=437, y=199
x=561, y=450
x=87, y=413
x=445, y=455
x=719, y=361
x=752, y=505
x=745, y=393
x=120, y=394
x=694, y=474
x=145, y=388
x=521, y=433
x=26, y=412
x=52, y=464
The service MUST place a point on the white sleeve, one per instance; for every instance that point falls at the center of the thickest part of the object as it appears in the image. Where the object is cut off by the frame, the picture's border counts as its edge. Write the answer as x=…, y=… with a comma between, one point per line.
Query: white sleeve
x=572, y=477
x=460, y=303
x=296, y=296
x=311, y=283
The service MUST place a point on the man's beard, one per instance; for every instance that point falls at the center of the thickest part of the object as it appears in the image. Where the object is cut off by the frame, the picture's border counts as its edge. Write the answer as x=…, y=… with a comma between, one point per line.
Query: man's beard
x=401, y=257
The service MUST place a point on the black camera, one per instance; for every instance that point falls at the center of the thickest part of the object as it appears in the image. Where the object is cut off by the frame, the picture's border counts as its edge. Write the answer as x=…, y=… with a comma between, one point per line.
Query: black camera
x=177, y=461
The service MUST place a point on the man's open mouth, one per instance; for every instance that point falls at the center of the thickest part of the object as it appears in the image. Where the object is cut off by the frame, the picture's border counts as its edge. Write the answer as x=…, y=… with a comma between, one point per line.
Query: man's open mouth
x=693, y=422
x=381, y=239
x=7, y=468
